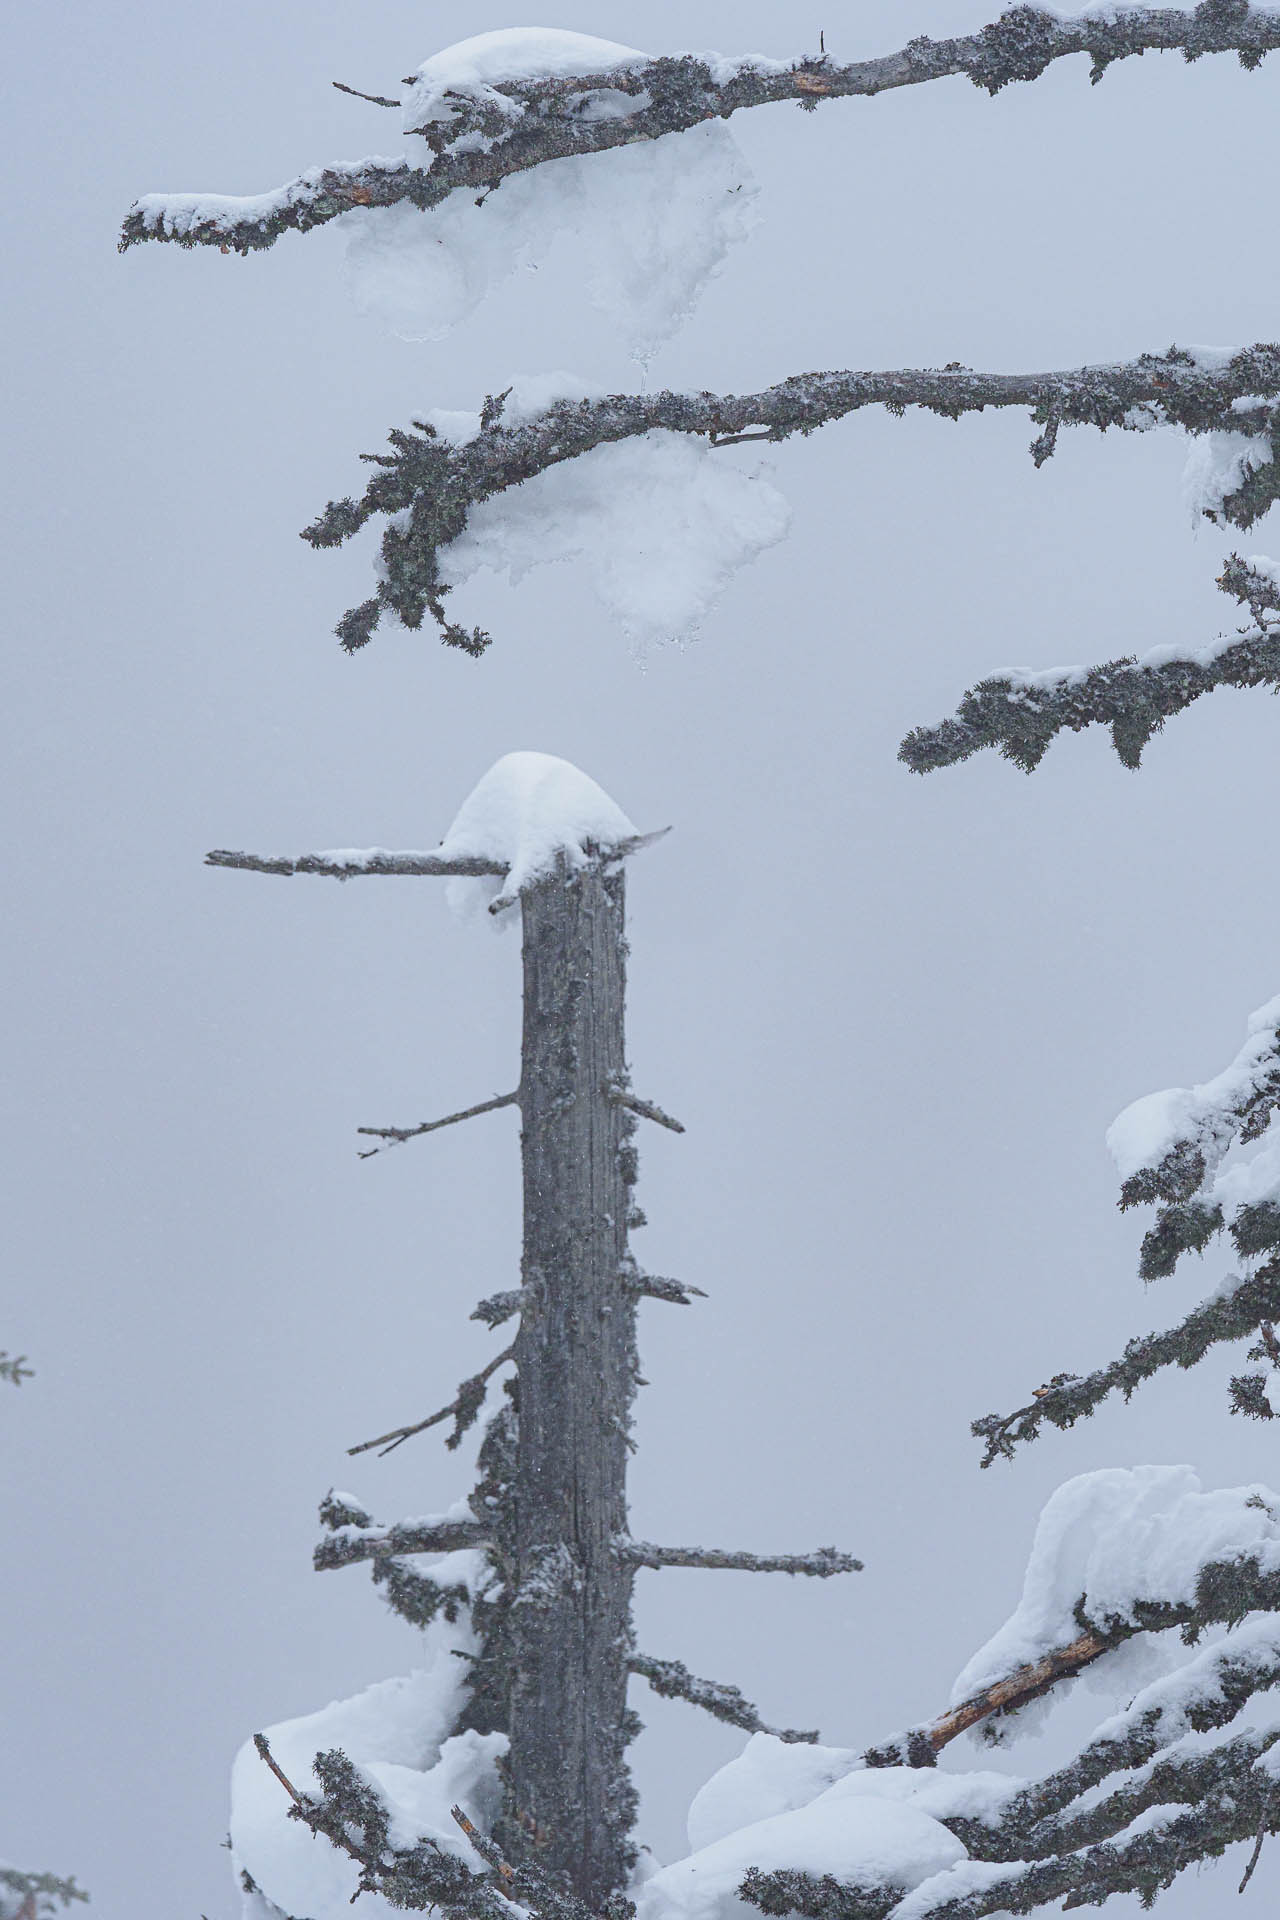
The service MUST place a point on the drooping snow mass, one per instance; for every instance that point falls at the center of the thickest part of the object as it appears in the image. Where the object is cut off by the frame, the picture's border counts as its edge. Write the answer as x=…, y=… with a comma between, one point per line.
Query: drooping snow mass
x=1109, y=1540
x=395, y=1733
x=1207, y=1120
x=864, y=1839
x=663, y=522
x=1218, y=465
x=770, y=1776
x=650, y=223
x=528, y=811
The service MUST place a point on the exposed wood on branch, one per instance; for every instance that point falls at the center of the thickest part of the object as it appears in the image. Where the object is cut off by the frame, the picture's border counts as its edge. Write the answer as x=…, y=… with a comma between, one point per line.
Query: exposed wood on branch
x=396, y=1136
x=464, y=1406
x=820, y=1565
x=674, y=93
x=264, y=1753
x=1021, y=1687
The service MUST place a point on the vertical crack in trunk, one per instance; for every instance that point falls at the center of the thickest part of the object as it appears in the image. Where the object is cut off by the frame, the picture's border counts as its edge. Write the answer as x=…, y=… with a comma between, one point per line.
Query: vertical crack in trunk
x=570, y=1795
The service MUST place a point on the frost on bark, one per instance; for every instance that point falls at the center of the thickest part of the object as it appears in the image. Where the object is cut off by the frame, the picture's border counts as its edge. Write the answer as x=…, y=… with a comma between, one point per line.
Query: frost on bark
x=553, y=119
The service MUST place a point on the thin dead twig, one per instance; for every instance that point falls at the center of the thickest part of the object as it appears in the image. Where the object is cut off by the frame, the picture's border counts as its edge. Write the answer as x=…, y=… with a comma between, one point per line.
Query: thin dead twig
x=396, y=1136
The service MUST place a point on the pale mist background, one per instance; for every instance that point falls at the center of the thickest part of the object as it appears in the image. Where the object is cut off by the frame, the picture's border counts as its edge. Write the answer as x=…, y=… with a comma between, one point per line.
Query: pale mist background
x=896, y=1014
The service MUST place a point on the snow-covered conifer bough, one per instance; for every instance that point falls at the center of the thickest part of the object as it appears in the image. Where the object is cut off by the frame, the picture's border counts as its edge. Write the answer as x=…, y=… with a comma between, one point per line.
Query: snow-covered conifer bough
x=585, y=135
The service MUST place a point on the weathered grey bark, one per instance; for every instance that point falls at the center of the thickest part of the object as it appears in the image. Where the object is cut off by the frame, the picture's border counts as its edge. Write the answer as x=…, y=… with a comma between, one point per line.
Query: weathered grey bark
x=570, y=1795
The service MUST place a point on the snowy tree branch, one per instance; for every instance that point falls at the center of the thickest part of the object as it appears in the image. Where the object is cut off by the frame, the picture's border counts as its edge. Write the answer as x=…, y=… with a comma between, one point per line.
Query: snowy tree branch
x=395, y=1136
x=352, y=1816
x=1229, y=1315
x=821, y=1565
x=464, y=1409
x=1200, y=1697
x=350, y=866
x=1192, y=1809
x=920, y=1746
x=427, y=485
x=673, y=1680
x=351, y=1543
x=479, y=146
x=1020, y=715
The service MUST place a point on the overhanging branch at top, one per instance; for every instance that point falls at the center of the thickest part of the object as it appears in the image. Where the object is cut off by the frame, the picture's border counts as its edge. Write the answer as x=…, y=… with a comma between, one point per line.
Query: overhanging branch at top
x=553, y=118
x=427, y=485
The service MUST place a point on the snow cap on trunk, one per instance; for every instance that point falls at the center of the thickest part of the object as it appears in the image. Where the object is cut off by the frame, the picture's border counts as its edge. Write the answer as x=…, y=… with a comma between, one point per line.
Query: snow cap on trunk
x=528, y=811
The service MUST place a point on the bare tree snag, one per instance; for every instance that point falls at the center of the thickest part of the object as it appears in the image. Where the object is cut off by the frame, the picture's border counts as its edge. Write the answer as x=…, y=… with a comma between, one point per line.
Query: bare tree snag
x=549, y=1513
x=576, y=1367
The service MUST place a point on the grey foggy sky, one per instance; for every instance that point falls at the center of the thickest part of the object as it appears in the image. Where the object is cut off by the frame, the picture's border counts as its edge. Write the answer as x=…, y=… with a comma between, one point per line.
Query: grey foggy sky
x=895, y=1014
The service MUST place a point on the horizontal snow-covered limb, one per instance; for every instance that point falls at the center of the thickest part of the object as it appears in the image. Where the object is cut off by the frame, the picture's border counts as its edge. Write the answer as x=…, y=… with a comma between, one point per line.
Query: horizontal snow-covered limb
x=819, y=1565
x=503, y=127
x=428, y=486
x=1232, y=1313
x=530, y=815
x=673, y=1680
x=1020, y=714
x=348, y=1544
x=350, y=863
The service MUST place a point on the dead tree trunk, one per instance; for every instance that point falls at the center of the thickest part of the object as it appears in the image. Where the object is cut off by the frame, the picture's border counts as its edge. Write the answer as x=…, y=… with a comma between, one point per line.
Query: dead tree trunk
x=576, y=1365
x=552, y=1613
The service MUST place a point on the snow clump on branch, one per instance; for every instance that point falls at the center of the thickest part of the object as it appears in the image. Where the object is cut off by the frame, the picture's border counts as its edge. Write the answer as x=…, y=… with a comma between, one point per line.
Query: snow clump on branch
x=663, y=523
x=655, y=220
x=463, y=74
x=396, y=1734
